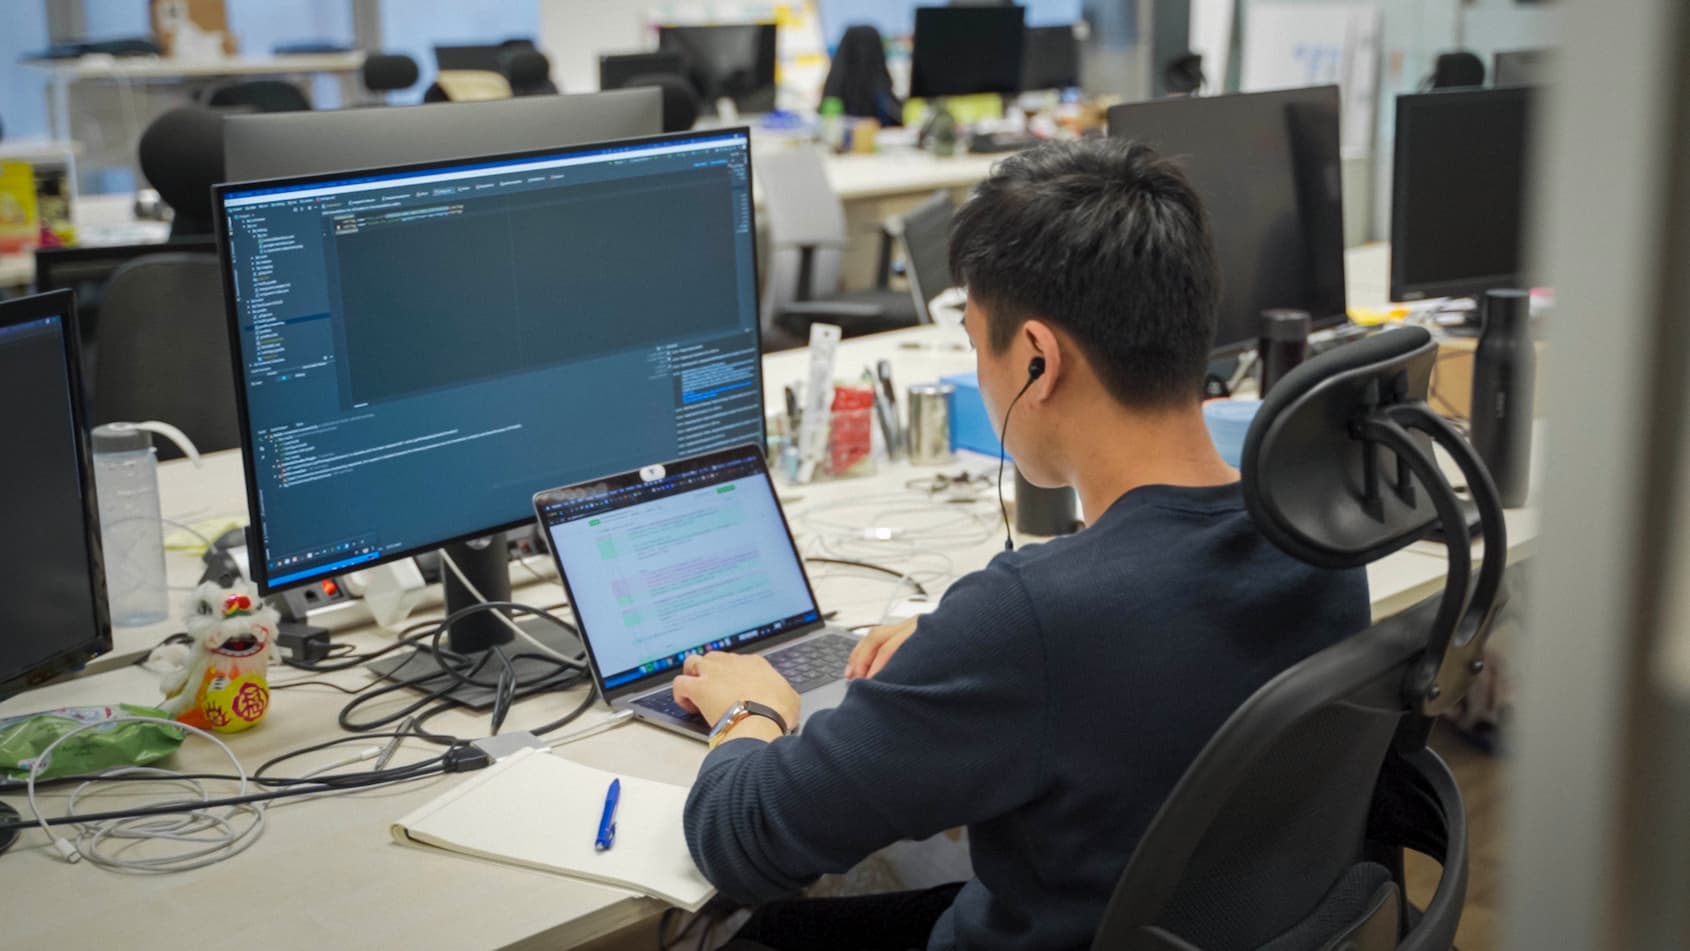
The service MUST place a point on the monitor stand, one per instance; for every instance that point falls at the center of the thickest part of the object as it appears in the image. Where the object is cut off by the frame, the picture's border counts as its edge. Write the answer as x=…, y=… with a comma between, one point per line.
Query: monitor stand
x=486, y=563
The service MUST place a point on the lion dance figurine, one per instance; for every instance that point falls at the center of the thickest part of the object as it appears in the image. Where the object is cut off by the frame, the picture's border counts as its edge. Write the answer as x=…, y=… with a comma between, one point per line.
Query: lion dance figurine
x=221, y=683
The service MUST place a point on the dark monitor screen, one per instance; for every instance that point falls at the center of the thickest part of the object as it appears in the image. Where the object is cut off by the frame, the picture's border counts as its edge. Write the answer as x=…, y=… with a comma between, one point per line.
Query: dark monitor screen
x=960, y=51
x=728, y=61
x=1522, y=68
x=1267, y=167
x=423, y=348
x=616, y=70
x=278, y=144
x=53, y=617
x=1459, y=192
x=1051, y=59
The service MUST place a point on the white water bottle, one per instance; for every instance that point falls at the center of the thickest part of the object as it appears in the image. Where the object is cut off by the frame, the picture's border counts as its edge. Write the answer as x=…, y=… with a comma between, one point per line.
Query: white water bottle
x=131, y=527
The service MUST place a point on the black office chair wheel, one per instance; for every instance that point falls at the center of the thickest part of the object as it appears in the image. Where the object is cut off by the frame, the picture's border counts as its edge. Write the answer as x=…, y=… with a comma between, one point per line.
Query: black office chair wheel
x=8, y=815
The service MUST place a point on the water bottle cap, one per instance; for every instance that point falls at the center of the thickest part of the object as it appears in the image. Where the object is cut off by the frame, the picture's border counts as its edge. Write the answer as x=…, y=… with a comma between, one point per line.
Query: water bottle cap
x=121, y=437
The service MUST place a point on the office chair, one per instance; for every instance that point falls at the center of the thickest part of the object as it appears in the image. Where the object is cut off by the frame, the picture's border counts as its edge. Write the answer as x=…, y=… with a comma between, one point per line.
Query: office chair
x=389, y=72
x=807, y=235
x=181, y=154
x=1287, y=831
x=926, y=236
x=859, y=79
x=680, y=99
x=529, y=73
x=164, y=350
x=261, y=95
x=1456, y=70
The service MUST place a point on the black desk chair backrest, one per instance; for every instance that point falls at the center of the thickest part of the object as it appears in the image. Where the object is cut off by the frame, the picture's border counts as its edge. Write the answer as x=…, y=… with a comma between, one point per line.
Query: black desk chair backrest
x=389, y=72
x=261, y=95
x=1287, y=831
x=530, y=73
x=680, y=99
x=181, y=155
x=1458, y=70
x=164, y=350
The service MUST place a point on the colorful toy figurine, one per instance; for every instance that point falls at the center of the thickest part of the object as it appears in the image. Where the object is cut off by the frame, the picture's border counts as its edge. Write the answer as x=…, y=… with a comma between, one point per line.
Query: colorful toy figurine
x=221, y=683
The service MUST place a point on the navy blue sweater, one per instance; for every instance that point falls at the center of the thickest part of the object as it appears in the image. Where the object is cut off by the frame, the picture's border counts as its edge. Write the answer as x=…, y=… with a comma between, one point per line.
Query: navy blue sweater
x=1049, y=704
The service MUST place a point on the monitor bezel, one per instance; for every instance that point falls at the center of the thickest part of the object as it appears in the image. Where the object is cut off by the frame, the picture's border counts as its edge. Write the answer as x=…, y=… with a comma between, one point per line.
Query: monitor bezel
x=1403, y=289
x=258, y=570
x=62, y=304
x=635, y=477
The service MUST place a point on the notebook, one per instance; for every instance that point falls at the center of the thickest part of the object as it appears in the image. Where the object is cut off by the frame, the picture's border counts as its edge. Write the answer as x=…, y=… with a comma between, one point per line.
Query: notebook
x=542, y=811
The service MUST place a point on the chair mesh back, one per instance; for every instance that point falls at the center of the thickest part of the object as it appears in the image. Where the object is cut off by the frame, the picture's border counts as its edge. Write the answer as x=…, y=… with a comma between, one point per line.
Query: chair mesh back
x=927, y=243
x=1290, y=831
x=164, y=350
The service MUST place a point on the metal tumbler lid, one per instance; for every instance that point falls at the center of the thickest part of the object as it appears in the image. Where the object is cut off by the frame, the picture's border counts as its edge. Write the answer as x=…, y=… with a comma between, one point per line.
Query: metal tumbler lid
x=1285, y=324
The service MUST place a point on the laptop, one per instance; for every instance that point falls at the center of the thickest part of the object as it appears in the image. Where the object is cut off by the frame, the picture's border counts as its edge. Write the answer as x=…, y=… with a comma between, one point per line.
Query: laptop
x=683, y=558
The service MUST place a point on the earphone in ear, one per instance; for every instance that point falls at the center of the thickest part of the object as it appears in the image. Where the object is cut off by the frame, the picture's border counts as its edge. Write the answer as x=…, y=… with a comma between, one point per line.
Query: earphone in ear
x=1035, y=368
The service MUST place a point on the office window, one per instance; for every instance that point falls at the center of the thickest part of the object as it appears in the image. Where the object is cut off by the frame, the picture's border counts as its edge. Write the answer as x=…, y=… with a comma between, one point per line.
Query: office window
x=23, y=99
x=414, y=27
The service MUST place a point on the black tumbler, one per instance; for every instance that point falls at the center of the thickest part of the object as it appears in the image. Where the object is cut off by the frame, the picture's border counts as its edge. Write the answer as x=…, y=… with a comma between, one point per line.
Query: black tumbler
x=1284, y=344
x=1504, y=374
x=1040, y=511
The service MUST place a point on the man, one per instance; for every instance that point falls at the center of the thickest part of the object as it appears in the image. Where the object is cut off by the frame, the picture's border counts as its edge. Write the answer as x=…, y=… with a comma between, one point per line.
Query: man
x=1053, y=699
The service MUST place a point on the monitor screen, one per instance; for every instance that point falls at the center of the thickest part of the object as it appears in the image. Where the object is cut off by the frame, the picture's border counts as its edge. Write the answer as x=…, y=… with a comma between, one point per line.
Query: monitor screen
x=1051, y=59
x=729, y=61
x=671, y=560
x=421, y=349
x=960, y=51
x=279, y=144
x=54, y=617
x=1459, y=192
x=1267, y=168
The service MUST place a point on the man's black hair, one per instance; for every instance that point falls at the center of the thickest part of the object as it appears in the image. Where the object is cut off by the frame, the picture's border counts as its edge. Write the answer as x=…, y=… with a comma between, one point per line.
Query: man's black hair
x=1107, y=240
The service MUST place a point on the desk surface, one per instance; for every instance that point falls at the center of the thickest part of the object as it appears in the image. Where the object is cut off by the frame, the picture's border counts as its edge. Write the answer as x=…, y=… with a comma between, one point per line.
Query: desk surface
x=162, y=67
x=329, y=869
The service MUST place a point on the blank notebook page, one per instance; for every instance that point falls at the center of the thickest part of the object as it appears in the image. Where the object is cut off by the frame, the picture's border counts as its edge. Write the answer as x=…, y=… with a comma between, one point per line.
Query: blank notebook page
x=542, y=811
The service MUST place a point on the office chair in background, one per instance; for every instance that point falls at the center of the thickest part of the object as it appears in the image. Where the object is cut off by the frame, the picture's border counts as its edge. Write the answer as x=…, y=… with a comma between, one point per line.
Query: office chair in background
x=925, y=234
x=181, y=155
x=680, y=99
x=261, y=95
x=529, y=73
x=383, y=73
x=1457, y=70
x=164, y=350
x=1288, y=830
x=806, y=236
x=859, y=79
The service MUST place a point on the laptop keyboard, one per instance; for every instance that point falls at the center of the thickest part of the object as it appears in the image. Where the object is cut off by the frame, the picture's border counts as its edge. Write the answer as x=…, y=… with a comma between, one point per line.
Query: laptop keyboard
x=807, y=665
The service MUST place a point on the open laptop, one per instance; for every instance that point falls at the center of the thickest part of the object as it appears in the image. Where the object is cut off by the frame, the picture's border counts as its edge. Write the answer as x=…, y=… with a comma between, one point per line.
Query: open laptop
x=678, y=559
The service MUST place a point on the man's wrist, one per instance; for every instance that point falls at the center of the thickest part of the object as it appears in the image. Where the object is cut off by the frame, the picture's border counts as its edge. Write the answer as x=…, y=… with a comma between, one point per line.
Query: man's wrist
x=753, y=728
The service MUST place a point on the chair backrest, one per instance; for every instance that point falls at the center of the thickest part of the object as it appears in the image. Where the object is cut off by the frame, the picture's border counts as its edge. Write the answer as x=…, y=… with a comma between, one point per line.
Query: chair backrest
x=1271, y=837
x=530, y=73
x=181, y=154
x=926, y=237
x=264, y=95
x=164, y=350
x=801, y=210
x=1457, y=70
x=388, y=72
x=680, y=99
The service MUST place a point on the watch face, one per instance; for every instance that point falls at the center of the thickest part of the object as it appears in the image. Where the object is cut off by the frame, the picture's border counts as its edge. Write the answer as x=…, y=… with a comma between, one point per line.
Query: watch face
x=735, y=713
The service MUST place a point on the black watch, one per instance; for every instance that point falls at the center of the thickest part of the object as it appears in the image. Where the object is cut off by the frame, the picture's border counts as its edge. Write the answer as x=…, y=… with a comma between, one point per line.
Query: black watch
x=742, y=710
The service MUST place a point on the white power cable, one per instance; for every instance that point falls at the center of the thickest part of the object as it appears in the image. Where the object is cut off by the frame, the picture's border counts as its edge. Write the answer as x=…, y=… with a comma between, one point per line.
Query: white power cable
x=516, y=628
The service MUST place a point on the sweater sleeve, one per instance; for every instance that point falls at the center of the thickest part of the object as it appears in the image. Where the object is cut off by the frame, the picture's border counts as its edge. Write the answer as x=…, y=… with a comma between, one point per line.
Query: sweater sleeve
x=951, y=732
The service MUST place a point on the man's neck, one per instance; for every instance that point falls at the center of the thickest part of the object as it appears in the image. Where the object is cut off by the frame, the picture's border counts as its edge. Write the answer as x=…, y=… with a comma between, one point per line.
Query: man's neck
x=1169, y=447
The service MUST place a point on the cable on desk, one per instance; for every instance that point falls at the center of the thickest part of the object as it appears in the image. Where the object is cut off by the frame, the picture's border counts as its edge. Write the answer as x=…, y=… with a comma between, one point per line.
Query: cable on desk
x=516, y=629
x=902, y=576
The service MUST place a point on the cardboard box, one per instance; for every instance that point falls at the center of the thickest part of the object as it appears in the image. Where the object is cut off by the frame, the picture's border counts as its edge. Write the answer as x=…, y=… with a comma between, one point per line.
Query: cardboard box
x=192, y=29
x=1452, y=378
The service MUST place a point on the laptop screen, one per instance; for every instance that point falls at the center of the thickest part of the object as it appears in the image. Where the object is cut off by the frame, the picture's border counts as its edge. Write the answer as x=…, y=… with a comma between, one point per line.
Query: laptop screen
x=674, y=560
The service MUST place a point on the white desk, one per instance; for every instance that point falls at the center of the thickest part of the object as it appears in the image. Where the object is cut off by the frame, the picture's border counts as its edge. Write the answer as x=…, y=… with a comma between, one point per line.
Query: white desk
x=903, y=173
x=327, y=871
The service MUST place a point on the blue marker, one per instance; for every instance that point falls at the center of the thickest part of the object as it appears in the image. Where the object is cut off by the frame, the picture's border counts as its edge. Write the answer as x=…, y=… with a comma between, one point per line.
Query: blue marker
x=607, y=824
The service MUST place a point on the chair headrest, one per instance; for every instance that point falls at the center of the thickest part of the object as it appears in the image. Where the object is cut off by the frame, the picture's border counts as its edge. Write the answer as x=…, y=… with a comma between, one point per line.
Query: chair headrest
x=387, y=71
x=181, y=155
x=1306, y=471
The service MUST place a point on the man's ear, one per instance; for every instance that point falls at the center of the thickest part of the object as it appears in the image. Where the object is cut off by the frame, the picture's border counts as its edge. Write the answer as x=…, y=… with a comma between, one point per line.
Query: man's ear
x=1043, y=344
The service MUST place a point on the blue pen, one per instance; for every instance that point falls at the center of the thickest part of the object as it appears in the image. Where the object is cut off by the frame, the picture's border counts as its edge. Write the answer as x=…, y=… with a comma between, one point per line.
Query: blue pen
x=607, y=824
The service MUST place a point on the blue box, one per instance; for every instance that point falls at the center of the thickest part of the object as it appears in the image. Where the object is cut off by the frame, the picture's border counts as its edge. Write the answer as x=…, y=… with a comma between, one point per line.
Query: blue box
x=971, y=428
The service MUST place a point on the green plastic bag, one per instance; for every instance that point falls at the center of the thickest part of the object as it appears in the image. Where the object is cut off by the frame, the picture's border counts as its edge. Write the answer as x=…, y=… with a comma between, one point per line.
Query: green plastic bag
x=124, y=743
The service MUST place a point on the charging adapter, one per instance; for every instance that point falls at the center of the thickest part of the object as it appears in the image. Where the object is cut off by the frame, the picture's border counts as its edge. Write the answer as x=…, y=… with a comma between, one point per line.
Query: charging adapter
x=301, y=643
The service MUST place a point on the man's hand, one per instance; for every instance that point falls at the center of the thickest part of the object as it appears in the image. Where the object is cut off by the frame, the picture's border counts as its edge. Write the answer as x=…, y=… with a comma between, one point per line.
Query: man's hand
x=877, y=647
x=710, y=684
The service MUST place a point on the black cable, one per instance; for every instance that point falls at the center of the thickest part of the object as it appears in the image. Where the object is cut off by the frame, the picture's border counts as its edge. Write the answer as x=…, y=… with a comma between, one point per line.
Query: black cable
x=320, y=683
x=902, y=576
x=258, y=774
x=1003, y=444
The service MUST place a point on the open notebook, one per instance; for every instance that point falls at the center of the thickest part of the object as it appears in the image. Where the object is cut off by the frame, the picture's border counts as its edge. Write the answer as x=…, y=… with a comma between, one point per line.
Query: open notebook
x=542, y=811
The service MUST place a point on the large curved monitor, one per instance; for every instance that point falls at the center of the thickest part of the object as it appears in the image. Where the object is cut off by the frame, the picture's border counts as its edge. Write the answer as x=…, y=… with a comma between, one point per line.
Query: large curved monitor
x=278, y=144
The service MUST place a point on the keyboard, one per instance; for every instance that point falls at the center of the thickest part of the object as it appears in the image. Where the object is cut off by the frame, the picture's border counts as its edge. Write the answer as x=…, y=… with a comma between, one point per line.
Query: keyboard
x=808, y=665
x=812, y=663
